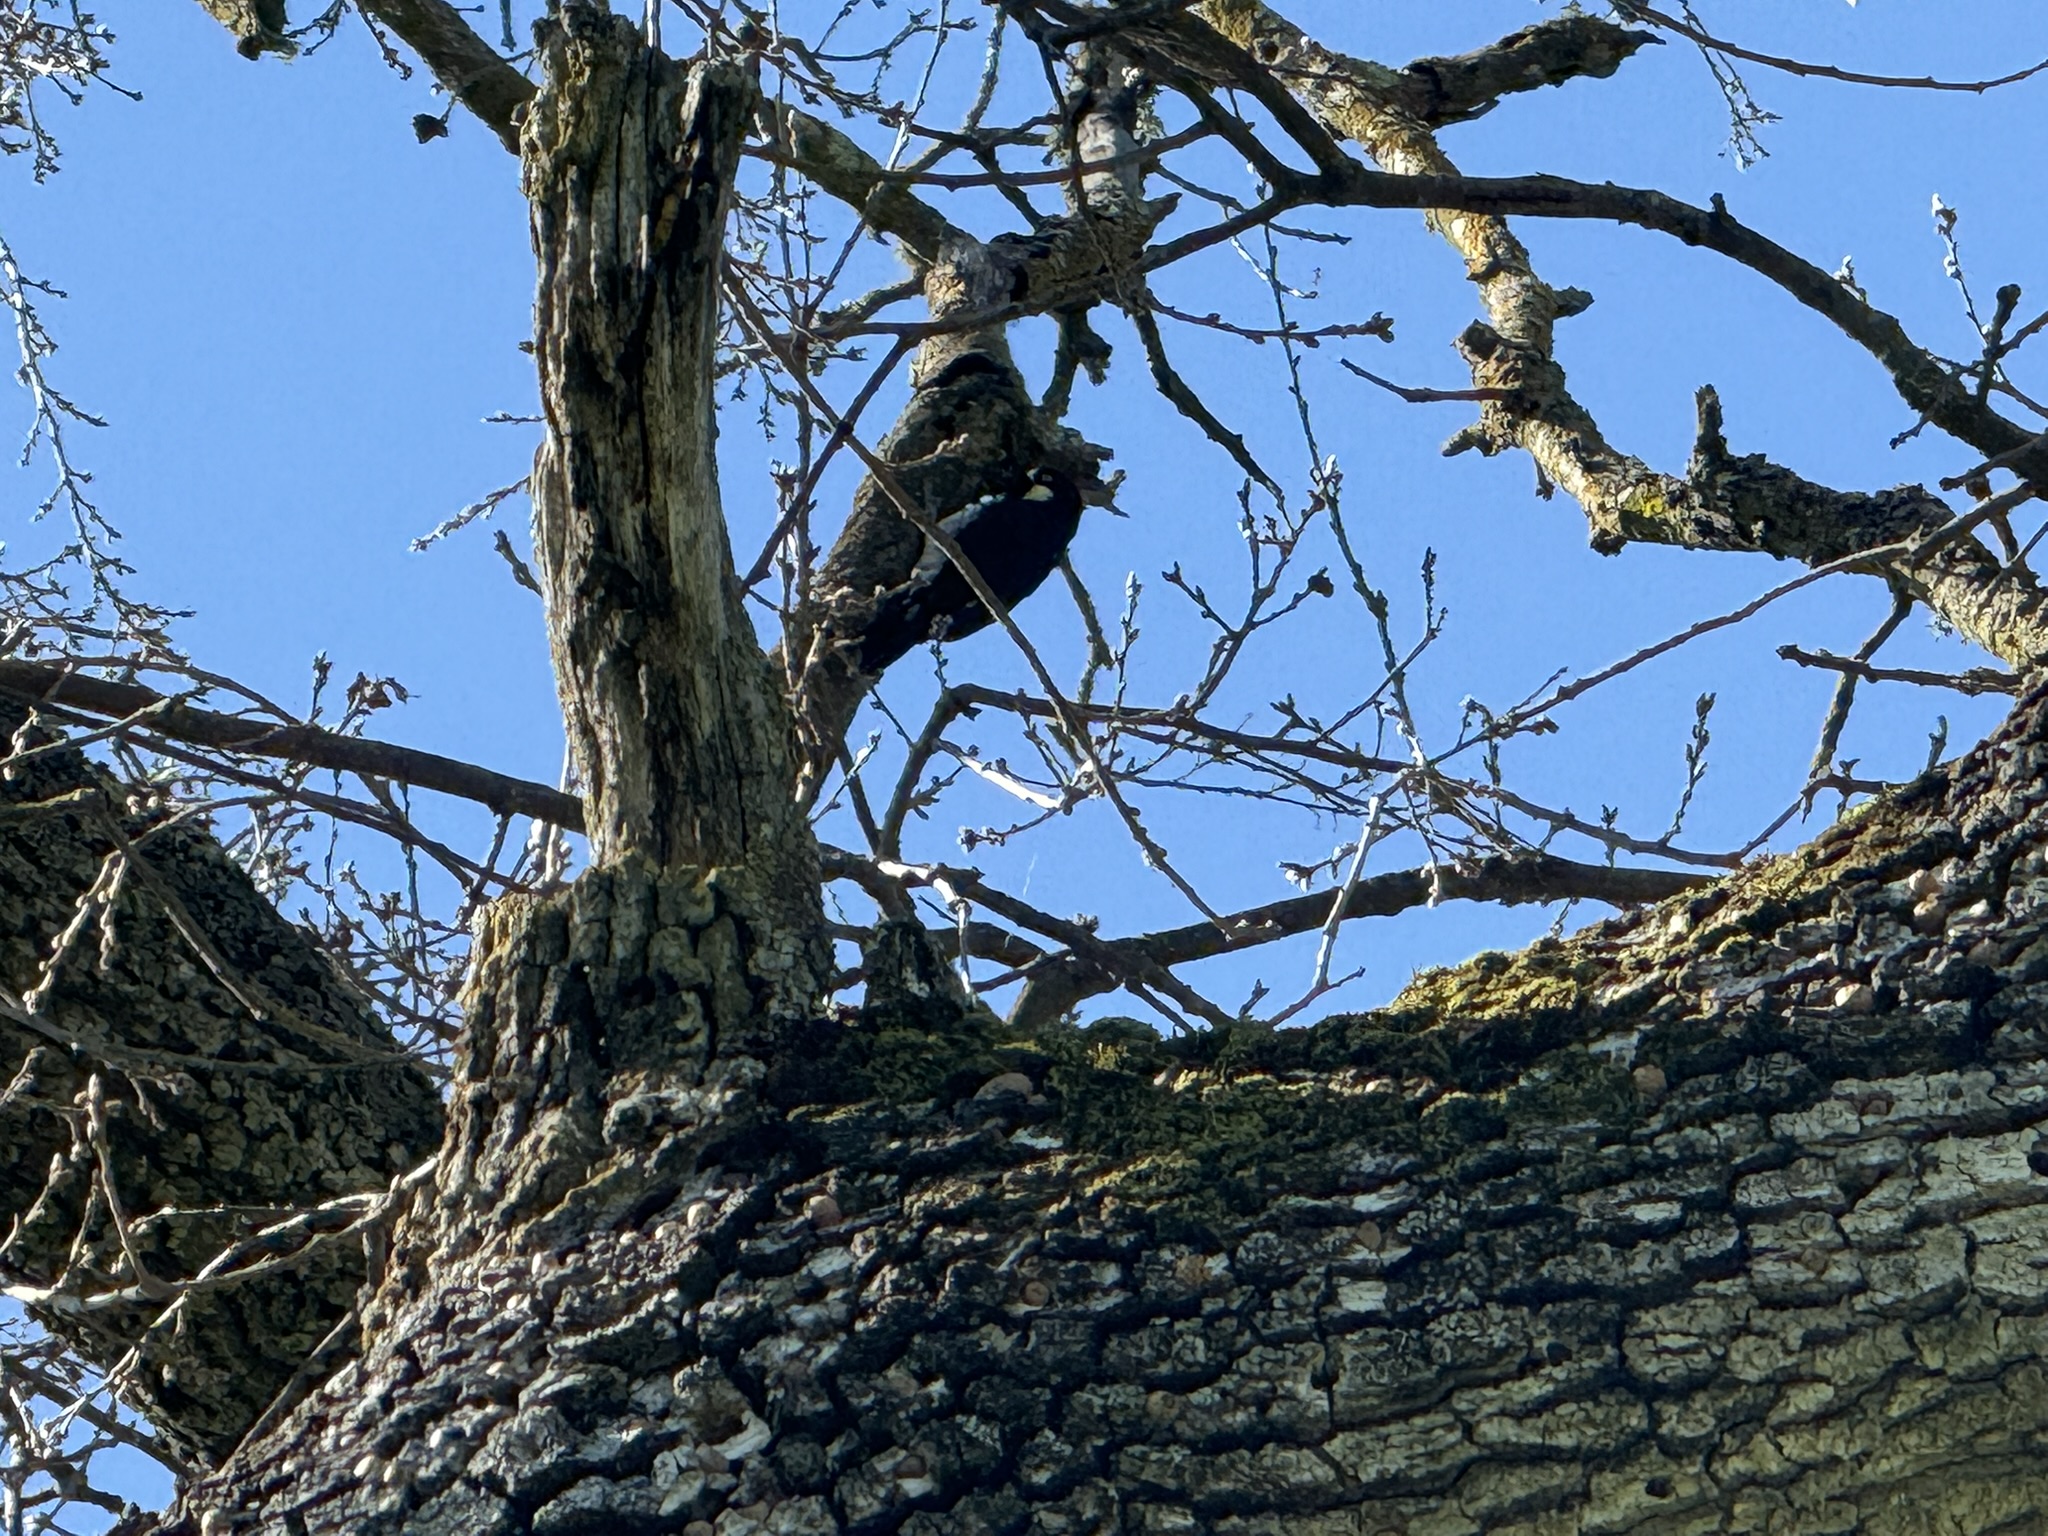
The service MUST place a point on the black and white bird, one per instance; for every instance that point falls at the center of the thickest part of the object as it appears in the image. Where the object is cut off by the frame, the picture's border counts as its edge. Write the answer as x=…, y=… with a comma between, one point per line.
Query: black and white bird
x=1013, y=539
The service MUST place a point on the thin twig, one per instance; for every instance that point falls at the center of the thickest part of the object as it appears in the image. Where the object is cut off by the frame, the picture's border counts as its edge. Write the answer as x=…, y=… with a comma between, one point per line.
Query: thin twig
x=1976, y=681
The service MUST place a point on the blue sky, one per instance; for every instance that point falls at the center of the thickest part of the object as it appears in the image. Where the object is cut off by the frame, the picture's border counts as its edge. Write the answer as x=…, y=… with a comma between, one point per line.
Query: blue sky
x=295, y=317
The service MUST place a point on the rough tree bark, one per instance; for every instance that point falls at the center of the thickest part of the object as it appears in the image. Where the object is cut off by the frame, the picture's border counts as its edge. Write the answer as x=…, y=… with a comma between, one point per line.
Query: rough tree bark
x=1727, y=1215
x=208, y=1067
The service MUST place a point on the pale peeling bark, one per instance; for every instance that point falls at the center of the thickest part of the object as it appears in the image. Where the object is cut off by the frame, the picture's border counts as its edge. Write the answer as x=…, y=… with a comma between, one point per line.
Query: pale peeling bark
x=1722, y=502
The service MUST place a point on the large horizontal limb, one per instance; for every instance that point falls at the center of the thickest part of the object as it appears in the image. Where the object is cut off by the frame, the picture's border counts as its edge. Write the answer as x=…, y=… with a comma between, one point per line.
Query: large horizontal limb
x=185, y=1067
x=1764, y=1155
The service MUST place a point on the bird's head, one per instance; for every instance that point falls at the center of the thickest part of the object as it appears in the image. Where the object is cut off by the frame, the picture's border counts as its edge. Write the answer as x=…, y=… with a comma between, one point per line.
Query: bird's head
x=1041, y=484
x=1044, y=484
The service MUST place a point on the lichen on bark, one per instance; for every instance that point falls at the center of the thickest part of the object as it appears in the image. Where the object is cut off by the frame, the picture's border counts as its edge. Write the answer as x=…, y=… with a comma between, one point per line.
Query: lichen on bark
x=1666, y=1226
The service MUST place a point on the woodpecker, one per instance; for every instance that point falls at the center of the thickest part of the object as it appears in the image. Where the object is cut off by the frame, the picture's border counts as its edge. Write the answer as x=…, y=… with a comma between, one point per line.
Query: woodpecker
x=1013, y=539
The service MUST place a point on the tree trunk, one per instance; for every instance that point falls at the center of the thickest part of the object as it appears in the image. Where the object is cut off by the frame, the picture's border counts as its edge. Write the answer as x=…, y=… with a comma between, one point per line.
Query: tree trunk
x=192, y=1056
x=1727, y=1215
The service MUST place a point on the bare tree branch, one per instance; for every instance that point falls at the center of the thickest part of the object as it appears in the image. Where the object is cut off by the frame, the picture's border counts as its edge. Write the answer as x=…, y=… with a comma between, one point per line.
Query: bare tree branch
x=37, y=682
x=1723, y=502
x=1975, y=681
x=1694, y=34
x=468, y=68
